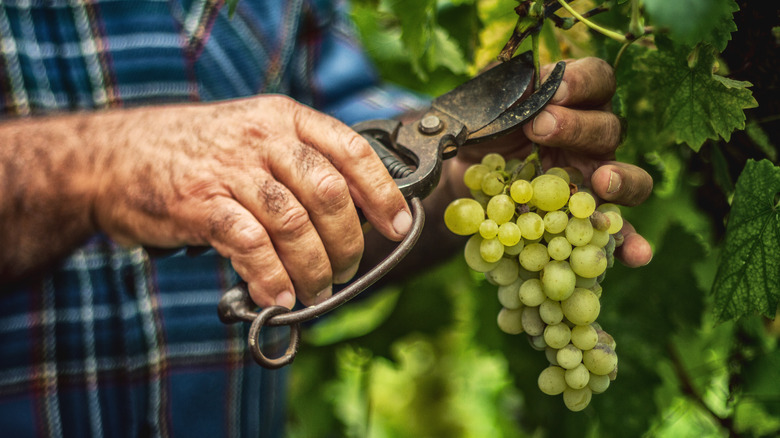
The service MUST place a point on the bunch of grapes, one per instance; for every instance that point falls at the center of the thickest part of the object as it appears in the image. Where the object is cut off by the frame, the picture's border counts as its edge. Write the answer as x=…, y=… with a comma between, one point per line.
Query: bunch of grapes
x=541, y=239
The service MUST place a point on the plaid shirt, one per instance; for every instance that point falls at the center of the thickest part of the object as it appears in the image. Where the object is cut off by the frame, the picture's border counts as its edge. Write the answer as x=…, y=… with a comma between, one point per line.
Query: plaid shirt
x=114, y=342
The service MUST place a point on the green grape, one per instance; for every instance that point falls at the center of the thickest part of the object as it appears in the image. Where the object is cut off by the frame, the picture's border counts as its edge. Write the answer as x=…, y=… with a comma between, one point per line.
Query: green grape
x=463, y=216
x=596, y=289
x=493, y=183
x=550, y=192
x=585, y=283
x=582, y=205
x=577, y=399
x=597, y=383
x=512, y=164
x=608, y=206
x=480, y=197
x=509, y=234
x=514, y=249
x=569, y=356
x=508, y=296
x=579, y=231
x=551, y=380
x=588, y=261
x=504, y=273
x=472, y=178
x=471, y=254
x=531, y=225
x=615, y=222
x=537, y=342
x=532, y=322
x=557, y=335
x=525, y=274
x=494, y=161
x=600, y=238
x=501, y=208
x=584, y=337
x=606, y=339
x=531, y=293
x=534, y=256
x=550, y=311
x=558, y=280
x=509, y=321
x=577, y=377
x=491, y=250
x=521, y=191
x=488, y=229
x=555, y=221
x=582, y=307
x=559, y=172
x=600, y=360
x=559, y=248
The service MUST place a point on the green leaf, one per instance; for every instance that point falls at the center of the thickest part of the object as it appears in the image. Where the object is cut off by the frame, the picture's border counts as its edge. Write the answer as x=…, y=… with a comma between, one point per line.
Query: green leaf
x=691, y=101
x=748, y=278
x=418, y=21
x=694, y=21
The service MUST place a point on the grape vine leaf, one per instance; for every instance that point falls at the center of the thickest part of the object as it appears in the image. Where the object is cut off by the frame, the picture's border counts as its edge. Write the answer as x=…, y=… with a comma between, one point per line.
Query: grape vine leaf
x=694, y=21
x=690, y=100
x=748, y=277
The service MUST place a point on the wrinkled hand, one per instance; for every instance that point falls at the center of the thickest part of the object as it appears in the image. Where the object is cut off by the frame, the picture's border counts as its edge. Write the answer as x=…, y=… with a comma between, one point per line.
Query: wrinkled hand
x=577, y=128
x=268, y=182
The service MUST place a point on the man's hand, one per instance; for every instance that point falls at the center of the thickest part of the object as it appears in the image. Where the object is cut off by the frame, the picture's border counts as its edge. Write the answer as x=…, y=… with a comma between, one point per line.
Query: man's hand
x=268, y=182
x=577, y=128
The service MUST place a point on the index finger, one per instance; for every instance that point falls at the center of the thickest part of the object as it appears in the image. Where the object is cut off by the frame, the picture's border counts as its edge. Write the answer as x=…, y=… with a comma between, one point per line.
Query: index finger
x=372, y=188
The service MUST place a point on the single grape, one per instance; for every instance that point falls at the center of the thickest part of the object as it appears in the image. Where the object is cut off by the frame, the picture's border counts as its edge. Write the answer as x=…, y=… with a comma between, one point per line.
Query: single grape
x=599, y=220
x=585, y=283
x=488, y=229
x=491, y=250
x=473, y=257
x=608, y=206
x=588, y=261
x=551, y=355
x=531, y=292
x=569, y=356
x=550, y=311
x=555, y=221
x=531, y=225
x=584, y=337
x=494, y=161
x=514, y=249
x=597, y=383
x=600, y=360
x=493, y=183
x=509, y=321
x=472, y=178
x=559, y=248
x=577, y=377
x=509, y=234
x=582, y=205
x=537, y=342
x=600, y=238
x=508, y=296
x=521, y=191
x=606, y=339
x=558, y=280
x=463, y=216
x=532, y=322
x=551, y=192
x=480, y=197
x=582, y=307
x=504, y=273
x=559, y=172
x=551, y=380
x=579, y=231
x=534, y=256
x=557, y=335
x=615, y=222
x=577, y=399
x=501, y=208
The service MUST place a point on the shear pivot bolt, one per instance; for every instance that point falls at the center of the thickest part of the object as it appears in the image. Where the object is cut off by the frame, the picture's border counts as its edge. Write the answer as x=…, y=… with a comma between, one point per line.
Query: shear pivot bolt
x=430, y=125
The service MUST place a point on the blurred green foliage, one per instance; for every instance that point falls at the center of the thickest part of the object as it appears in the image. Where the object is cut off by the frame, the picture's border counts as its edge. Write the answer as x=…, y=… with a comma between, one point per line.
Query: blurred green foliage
x=425, y=358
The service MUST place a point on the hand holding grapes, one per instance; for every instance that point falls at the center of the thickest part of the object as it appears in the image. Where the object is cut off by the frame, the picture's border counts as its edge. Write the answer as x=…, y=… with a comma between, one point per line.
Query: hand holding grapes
x=577, y=129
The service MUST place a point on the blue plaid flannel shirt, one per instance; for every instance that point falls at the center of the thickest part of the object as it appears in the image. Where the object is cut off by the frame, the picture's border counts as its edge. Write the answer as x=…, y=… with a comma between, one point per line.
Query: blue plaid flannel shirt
x=114, y=342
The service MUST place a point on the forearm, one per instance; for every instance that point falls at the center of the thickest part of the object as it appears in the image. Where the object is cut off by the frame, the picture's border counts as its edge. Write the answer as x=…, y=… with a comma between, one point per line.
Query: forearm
x=47, y=179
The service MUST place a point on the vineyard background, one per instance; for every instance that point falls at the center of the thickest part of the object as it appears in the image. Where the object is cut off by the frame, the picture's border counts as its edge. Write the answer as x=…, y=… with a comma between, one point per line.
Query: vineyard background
x=698, y=353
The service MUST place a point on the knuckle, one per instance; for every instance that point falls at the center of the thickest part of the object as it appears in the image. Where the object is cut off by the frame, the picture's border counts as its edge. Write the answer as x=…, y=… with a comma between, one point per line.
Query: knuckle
x=294, y=222
x=356, y=147
x=332, y=192
x=249, y=238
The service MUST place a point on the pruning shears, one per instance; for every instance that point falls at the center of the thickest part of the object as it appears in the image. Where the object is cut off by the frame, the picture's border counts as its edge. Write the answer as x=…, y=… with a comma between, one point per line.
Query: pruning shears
x=488, y=106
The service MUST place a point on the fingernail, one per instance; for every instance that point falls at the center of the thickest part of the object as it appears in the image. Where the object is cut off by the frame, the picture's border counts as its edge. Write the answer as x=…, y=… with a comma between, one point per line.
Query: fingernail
x=648, y=262
x=402, y=222
x=614, y=182
x=346, y=275
x=323, y=295
x=544, y=124
x=562, y=93
x=285, y=299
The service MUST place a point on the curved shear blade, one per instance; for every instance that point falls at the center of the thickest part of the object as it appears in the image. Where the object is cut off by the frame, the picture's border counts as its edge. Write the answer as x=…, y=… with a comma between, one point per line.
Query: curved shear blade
x=483, y=98
x=517, y=115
